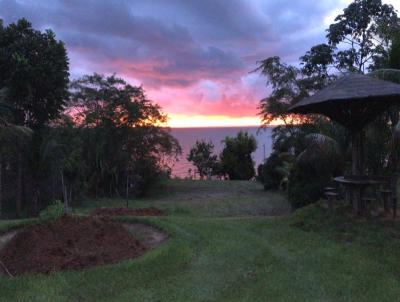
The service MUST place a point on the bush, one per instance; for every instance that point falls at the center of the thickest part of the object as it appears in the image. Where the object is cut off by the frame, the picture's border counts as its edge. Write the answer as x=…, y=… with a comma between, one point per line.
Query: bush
x=306, y=186
x=202, y=157
x=236, y=160
x=273, y=172
x=52, y=211
x=314, y=169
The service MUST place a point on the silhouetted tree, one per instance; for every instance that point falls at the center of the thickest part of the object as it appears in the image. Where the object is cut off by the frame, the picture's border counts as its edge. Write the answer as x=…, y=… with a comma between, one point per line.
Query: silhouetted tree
x=14, y=144
x=125, y=145
x=33, y=73
x=363, y=31
x=202, y=157
x=362, y=38
x=236, y=160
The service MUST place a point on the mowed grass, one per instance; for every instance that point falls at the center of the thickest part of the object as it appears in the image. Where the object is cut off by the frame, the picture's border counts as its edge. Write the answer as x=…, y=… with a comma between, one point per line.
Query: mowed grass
x=305, y=256
x=205, y=198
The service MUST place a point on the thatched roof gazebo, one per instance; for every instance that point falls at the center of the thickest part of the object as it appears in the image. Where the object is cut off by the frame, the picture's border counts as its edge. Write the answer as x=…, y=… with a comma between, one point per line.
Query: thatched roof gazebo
x=354, y=100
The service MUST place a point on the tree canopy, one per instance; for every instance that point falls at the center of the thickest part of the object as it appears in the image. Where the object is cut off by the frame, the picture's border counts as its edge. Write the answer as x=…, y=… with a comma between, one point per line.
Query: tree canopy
x=236, y=160
x=202, y=157
x=366, y=27
x=360, y=39
x=123, y=134
x=97, y=136
x=33, y=73
x=364, y=38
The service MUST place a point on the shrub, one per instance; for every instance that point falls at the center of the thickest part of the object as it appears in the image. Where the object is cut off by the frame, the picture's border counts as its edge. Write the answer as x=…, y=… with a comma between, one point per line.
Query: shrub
x=52, y=211
x=202, y=157
x=274, y=171
x=314, y=169
x=306, y=185
x=236, y=160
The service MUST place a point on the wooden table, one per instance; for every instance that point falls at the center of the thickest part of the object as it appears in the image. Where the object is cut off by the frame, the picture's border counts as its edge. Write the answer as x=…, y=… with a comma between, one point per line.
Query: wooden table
x=355, y=186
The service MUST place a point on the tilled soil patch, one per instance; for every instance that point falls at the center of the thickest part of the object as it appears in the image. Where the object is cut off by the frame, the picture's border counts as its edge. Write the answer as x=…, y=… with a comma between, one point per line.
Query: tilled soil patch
x=127, y=212
x=69, y=243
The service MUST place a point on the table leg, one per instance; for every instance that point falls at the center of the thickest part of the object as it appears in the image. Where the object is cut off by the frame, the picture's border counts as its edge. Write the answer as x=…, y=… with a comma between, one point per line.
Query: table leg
x=355, y=200
x=386, y=198
x=358, y=203
x=363, y=204
x=348, y=196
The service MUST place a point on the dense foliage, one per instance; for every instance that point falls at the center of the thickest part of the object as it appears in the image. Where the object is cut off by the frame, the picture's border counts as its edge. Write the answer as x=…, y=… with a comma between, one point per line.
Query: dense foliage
x=202, y=157
x=274, y=173
x=234, y=161
x=365, y=37
x=125, y=150
x=33, y=73
x=235, y=158
x=98, y=136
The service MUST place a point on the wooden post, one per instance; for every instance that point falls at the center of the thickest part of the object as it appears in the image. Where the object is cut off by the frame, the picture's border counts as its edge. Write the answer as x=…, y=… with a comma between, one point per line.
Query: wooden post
x=357, y=169
x=357, y=153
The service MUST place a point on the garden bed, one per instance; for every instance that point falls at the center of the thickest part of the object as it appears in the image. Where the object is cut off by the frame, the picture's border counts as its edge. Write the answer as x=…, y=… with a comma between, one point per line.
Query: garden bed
x=69, y=243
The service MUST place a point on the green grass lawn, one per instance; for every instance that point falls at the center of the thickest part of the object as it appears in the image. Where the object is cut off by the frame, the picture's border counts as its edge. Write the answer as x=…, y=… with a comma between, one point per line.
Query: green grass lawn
x=218, y=252
x=206, y=199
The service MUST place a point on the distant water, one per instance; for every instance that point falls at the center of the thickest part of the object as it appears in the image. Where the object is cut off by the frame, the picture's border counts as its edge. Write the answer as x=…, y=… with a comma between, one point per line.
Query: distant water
x=188, y=136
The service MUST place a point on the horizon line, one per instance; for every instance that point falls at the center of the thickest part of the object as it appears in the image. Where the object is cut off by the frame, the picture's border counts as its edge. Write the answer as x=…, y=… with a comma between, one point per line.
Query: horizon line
x=223, y=126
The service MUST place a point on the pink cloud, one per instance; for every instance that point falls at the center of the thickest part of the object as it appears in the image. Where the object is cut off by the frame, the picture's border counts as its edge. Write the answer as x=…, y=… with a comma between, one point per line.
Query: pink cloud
x=196, y=92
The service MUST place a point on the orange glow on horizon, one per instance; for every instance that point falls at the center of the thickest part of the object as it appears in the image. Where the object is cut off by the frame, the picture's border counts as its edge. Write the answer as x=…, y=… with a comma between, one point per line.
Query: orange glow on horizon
x=204, y=121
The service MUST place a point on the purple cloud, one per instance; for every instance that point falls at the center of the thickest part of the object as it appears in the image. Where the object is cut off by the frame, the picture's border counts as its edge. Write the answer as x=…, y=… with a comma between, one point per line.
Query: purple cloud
x=172, y=46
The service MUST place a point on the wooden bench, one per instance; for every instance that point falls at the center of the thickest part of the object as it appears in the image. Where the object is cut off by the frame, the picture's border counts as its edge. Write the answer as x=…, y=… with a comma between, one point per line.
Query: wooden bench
x=330, y=189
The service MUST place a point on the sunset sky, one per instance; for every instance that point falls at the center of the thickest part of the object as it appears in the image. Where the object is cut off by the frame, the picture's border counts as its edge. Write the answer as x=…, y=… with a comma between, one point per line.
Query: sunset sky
x=193, y=57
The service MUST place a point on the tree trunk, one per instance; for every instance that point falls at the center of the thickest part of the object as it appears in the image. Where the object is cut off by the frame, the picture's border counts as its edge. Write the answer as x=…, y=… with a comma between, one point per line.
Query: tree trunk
x=70, y=195
x=64, y=191
x=53, y=188
x=357, y=153
x=127, y=191
x=18, y=199
x=127, y=186
x=35, y=199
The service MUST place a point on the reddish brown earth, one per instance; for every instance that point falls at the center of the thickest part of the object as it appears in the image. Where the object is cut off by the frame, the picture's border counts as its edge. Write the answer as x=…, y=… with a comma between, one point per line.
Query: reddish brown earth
x=69, y=243
x=128, y=212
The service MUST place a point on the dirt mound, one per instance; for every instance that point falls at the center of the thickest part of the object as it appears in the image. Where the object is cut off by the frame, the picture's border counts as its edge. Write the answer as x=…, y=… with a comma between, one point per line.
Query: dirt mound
x=69, y=243
x=128, y=212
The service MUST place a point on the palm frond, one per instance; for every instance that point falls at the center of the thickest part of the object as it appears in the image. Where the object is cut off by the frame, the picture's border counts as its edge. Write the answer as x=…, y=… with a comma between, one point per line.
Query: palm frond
x=323, y=143
x=319, y=146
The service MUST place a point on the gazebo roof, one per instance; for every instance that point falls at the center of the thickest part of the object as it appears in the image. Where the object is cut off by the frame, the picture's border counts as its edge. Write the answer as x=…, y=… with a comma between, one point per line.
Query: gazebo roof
x=353, y=100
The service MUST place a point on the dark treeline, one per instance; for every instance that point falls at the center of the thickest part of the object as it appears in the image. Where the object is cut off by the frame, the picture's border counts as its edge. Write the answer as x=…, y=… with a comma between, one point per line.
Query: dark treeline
x=308, y=151
x=234, y=162
x=96, y=136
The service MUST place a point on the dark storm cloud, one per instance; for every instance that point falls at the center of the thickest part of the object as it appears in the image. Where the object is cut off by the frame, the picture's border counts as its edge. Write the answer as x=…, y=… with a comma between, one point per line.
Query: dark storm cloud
x=115, y=32
x=179, y=43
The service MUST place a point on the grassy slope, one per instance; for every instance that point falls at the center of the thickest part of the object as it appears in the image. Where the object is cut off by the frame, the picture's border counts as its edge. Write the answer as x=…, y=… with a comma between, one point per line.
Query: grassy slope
x=308, y=256
x=207, y=199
